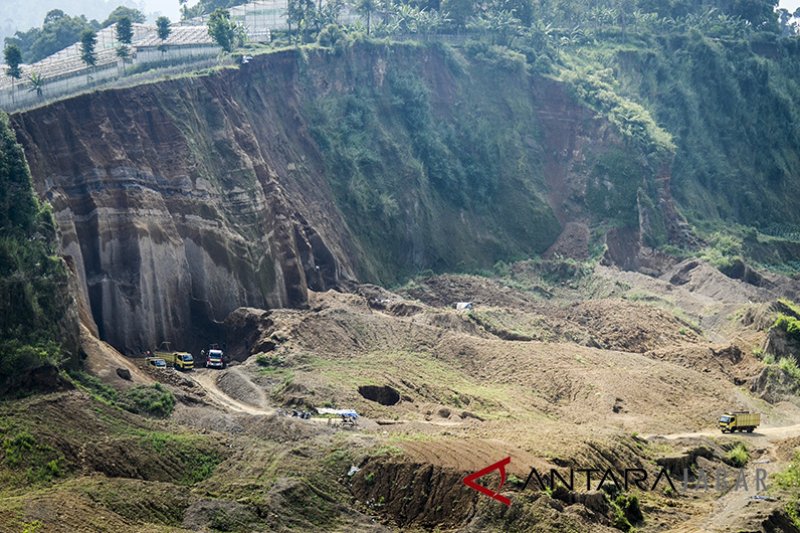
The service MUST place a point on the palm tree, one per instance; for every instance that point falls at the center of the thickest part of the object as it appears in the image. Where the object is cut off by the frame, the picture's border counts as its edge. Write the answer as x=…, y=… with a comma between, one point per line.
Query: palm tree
x=37, y=83
x=367, y=8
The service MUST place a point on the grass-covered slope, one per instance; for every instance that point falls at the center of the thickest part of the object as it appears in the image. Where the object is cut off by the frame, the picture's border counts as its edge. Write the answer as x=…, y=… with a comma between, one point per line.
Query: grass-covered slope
x=436, y=162
x=731, y=107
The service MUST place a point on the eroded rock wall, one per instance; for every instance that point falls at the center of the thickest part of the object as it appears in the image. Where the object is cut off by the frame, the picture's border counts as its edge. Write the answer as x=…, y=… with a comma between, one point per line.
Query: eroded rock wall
x=182, y=200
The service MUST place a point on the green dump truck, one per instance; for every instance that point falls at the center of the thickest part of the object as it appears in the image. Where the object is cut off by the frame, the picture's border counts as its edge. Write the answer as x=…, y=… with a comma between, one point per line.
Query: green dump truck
x=739, y=421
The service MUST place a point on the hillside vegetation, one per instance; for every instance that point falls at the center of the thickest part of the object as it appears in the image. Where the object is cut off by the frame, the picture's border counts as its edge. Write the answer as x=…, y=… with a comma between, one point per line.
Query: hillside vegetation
x=35, y=328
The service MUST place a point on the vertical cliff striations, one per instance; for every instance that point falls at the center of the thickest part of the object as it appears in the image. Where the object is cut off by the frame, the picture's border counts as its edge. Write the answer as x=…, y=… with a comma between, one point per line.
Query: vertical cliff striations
x=182, y=200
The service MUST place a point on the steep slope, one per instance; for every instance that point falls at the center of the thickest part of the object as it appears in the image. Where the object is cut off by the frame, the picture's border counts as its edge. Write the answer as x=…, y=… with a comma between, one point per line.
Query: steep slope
x=182, y=200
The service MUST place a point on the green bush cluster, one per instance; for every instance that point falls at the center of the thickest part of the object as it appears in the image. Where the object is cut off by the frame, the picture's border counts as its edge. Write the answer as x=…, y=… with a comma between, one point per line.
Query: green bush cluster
x=152, y=400
x=631, y=119
x=197, y=457
x=267, y=360
x=625, y=510
x=738, y=455
x=789, y=365
x=723, y=250
x=499, y=56
x=791, y=306
x=789, y=480
x=788, y=324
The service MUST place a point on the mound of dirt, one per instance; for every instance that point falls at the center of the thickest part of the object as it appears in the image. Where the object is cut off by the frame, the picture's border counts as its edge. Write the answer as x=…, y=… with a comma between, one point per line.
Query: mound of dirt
x=572, y=243
x=221, y=515
x=537, y=512
x=628, y=326
x=243, y=328
x=701, y=278
x=170, y=460
x=42, y=379
x=282, y=429
x=238, y=386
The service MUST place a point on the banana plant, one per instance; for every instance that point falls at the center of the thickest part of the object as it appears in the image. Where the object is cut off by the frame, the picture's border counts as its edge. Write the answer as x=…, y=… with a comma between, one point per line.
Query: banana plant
x=37, y=83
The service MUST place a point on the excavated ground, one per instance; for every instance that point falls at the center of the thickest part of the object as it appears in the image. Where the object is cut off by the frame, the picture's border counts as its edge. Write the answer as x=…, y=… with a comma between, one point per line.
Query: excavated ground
x=598, y=368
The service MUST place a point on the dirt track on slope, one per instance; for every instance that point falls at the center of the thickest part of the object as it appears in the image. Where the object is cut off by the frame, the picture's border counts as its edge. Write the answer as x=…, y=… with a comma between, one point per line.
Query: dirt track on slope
x=771, y=434
x=207, y=379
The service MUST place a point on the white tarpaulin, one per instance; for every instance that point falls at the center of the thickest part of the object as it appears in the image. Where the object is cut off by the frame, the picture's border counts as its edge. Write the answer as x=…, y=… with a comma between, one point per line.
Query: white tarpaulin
x=342, y=412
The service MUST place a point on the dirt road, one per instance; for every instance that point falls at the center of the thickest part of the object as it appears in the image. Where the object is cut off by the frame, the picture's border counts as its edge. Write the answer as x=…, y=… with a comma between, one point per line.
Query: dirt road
x=207, y=379
x=738, y=509
x=771, y=434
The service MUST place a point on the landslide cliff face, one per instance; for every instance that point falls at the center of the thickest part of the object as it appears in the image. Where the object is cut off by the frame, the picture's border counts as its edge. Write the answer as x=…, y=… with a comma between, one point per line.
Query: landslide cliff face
x=182, y=200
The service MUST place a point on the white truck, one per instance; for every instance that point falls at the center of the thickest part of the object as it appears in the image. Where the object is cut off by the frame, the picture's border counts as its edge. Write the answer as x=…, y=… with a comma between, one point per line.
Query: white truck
x=215, y=358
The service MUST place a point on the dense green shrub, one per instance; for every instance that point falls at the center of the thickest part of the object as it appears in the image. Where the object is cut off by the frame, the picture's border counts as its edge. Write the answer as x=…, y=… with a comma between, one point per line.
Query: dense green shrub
x=152, y=400
x=270, y=360
x=400, y=165
x=789, y=365
x=788, y=324
x=738, y=455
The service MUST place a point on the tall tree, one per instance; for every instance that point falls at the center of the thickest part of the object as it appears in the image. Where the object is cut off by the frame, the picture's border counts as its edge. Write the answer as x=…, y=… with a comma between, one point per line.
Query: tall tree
x=124, y=32
x=122, y=12
x=366, y=8
x=759, y=13
x=308, y=18
x=204, y=7
x=13, y=58
x=58, y=31
x=164, y=29
x=222, y=29
x=88, y=44
x=329, y=12
x=459, y=11
x=294, y=14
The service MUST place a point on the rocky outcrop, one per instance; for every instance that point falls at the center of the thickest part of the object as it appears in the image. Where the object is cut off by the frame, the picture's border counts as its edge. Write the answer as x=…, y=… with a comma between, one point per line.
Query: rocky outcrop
x=181, y=201
x=774, y=385
x=172, y=208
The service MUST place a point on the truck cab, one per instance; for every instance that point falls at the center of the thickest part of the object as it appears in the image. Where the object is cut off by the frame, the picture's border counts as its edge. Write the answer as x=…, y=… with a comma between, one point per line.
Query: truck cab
x=215, y=359
x=183, y=361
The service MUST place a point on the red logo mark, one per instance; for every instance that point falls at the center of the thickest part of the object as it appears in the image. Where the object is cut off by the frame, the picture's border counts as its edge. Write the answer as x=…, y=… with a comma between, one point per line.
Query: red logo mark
x=469, y=481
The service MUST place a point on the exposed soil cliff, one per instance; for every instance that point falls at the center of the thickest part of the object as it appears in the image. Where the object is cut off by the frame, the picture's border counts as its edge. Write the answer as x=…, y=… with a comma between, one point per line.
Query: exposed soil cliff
x=182, y=200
